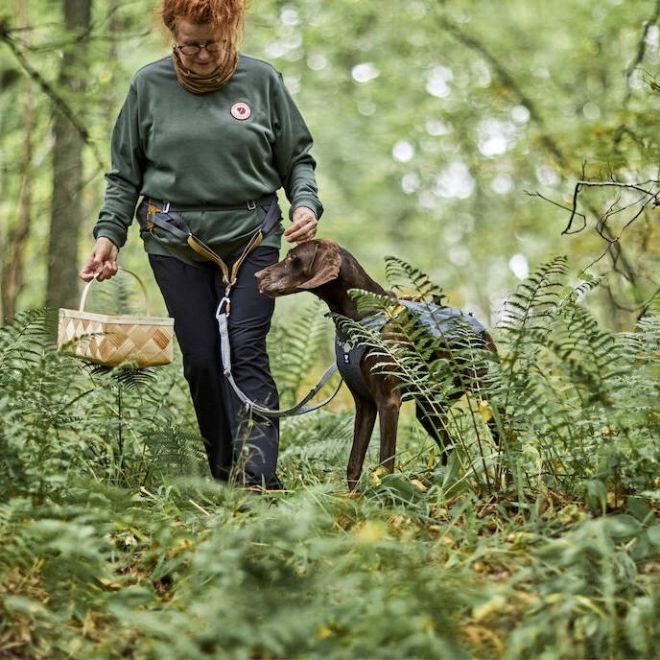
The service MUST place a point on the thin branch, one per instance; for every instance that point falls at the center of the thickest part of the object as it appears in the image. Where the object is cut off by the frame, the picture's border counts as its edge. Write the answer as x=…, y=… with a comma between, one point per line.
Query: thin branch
x=561, y=206
x=108, y=38
x=48, y=89
x=643, y=306
x=508, y=80
x=84, y=35
x=641, y=49
x=622, y=129
x=653, y=197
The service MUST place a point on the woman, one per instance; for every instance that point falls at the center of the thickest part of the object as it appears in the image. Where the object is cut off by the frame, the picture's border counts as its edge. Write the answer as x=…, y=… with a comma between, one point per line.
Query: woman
x=211, y=132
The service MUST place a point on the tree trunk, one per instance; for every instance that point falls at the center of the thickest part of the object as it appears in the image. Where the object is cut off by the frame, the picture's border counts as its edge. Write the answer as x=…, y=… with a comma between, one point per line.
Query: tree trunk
x=13, y=252
x=66, y=204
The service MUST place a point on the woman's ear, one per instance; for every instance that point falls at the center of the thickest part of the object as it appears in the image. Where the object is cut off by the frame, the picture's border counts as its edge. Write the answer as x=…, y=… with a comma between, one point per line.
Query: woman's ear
x=325, y=265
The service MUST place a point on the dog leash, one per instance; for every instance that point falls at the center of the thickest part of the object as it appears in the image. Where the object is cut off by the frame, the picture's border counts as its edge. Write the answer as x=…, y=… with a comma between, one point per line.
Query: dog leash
x=170, y=220
x=299, y=408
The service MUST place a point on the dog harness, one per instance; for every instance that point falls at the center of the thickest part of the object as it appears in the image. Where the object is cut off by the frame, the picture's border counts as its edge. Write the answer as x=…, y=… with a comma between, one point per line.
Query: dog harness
x=448, y=323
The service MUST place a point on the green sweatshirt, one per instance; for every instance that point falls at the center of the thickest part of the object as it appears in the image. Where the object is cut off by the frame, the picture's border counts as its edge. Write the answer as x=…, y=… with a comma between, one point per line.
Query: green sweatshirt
x=223, y=148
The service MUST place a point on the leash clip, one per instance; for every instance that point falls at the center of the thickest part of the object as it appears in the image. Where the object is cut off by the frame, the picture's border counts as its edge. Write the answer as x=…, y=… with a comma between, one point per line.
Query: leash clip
x=226, y=303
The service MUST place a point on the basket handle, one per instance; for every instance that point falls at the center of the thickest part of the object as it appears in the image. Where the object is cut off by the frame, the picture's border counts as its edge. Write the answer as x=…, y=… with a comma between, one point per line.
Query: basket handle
x=147, y=303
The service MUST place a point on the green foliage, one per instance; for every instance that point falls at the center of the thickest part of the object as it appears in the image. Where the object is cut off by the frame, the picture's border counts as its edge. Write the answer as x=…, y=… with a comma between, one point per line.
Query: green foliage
x=429, y=129
x=294, y=347
x=111, y=544
x=62, y=419
x=576, y=385
x=429, y=154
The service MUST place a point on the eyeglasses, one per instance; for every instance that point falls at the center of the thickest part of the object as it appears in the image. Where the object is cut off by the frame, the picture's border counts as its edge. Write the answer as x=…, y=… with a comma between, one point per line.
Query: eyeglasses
x=193, y=49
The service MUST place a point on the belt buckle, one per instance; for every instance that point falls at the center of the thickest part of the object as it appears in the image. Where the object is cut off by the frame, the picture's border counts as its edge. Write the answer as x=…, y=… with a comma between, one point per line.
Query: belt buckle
x=153, y=207
x=251, y=205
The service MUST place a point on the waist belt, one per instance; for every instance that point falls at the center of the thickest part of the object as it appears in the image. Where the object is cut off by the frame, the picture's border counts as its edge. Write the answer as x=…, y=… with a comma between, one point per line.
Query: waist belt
x=167, y=217
x=166, y=207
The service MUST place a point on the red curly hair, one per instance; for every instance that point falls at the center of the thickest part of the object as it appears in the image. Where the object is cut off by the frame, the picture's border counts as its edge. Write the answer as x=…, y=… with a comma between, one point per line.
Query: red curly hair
x=227, y=15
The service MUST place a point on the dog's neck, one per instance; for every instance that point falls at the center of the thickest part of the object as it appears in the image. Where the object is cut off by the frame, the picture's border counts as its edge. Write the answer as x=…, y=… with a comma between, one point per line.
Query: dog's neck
x=351, y=276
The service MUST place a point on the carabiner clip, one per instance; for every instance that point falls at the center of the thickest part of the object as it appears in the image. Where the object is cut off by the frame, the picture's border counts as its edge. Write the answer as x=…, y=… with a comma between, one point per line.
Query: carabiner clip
x=226, y=303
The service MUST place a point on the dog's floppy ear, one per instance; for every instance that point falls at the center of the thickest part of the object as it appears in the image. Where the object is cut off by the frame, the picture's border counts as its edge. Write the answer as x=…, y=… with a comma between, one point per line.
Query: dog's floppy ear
x=325, y=265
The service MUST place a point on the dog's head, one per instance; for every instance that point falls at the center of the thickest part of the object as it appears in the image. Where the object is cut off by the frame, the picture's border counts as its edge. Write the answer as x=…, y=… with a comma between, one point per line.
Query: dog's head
x=306, y=267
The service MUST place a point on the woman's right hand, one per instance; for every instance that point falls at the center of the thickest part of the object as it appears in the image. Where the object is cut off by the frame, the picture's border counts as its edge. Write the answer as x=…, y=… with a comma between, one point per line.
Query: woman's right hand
x=102, y=263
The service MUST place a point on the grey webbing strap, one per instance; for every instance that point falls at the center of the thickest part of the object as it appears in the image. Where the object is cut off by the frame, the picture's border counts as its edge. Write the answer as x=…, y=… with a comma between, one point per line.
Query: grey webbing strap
x=299, y=409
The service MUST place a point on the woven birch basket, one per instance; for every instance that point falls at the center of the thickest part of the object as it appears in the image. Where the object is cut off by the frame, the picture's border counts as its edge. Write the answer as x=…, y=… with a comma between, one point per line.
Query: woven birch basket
x=116, y=339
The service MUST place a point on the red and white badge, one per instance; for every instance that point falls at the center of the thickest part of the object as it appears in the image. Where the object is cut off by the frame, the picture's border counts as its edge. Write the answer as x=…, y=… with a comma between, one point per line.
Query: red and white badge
x=240, y=110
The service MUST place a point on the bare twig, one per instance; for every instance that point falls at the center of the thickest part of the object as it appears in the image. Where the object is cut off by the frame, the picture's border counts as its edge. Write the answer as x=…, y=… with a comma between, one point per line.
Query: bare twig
x=649, y=198
x=652, y=197
x=199, y=507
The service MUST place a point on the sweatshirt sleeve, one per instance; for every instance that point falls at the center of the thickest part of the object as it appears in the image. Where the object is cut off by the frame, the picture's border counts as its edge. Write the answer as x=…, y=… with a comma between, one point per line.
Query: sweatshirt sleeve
x=293, y=142
x=124, y=180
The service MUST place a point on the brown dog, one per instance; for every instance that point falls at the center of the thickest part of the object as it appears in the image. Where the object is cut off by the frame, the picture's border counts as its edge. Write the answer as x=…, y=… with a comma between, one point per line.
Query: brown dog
x=330, y=272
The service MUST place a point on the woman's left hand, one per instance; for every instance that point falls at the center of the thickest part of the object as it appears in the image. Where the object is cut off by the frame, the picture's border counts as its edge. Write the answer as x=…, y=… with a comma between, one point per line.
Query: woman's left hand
x=303, y=227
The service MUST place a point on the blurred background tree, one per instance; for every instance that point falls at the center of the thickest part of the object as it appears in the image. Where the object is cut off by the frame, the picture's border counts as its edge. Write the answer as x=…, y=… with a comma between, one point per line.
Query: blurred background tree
x=447, y=133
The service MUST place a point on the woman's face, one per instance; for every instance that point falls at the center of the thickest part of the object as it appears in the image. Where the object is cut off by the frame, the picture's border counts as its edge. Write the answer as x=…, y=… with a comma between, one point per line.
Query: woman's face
x=204, y=61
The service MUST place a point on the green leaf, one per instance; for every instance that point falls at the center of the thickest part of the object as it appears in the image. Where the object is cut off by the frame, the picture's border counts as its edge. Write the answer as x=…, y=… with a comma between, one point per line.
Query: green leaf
x=639, y=508
x=622, y=525
x=654, y=535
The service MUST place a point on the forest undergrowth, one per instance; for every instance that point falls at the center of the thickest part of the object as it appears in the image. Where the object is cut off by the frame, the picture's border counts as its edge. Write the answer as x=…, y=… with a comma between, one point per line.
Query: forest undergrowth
x=114, y=543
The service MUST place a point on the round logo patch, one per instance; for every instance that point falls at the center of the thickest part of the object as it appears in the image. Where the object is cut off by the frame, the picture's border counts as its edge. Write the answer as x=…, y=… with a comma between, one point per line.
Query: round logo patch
x=240, y=110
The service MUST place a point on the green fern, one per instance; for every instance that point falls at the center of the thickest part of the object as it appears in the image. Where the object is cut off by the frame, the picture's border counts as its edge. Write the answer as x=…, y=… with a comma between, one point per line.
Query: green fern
x=294, y=348
x=408, y=280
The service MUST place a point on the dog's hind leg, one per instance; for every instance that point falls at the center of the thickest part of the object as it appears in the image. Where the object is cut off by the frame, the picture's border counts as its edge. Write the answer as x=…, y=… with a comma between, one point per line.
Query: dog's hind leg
x=494, y=428
x=433, y=422
x=365, y=417
x=388, y=419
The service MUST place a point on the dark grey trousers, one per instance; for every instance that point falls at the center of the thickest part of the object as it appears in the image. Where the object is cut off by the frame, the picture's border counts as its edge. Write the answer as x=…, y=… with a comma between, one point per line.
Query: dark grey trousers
x=192, y=294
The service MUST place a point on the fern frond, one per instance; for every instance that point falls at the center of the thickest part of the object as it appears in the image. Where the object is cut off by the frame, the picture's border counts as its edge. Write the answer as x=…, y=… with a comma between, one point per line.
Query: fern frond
x=407, y=280
x=294, y=349
x=371, y=303
x=130, y=377
x=26, y=336
x=535, y=298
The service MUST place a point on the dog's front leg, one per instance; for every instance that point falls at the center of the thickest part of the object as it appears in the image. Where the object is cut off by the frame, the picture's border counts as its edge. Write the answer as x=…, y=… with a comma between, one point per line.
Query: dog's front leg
x=388, y=417
x=365, y=417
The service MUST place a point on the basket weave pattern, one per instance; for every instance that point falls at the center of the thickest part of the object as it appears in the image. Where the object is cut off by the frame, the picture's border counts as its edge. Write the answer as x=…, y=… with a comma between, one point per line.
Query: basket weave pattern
x=116, y=339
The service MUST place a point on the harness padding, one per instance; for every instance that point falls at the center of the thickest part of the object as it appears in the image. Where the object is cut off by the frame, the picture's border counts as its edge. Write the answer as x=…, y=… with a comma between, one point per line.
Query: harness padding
x=448, y=323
